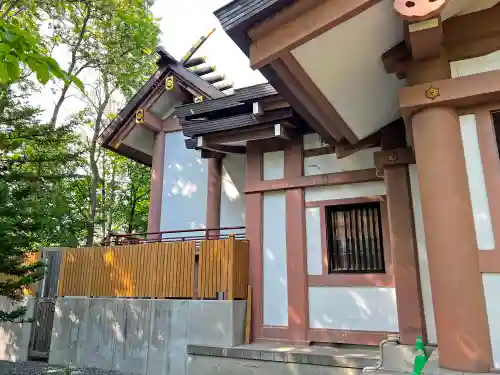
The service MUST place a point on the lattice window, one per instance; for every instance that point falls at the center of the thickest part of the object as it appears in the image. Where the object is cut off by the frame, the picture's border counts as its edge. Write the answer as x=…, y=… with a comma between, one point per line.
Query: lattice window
x=354, y=238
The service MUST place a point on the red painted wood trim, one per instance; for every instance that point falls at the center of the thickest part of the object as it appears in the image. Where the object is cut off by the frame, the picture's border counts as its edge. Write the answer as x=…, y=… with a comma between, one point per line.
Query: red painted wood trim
x=298, y=310
x=254, y=234
x=338, y=202
x=343, y=279
x=351, y=177
x=404, y=254
x=346, y=337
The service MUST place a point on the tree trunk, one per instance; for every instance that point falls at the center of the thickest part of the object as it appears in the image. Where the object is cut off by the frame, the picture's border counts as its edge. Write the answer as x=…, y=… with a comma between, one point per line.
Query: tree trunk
x=131, y=215
x=94, y=169
x=59, y=103
x=103, y=195
x=72, y=65
x=111, y=197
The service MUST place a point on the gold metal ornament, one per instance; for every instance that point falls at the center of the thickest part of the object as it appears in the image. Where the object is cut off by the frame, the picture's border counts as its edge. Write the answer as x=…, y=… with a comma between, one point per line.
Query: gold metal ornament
x=169, y=83
x=139, y=116
x=432, y=93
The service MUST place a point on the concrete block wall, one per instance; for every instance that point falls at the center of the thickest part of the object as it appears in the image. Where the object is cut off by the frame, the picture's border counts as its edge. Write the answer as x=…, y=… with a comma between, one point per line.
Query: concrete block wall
x=137, y=336
x=15, y=337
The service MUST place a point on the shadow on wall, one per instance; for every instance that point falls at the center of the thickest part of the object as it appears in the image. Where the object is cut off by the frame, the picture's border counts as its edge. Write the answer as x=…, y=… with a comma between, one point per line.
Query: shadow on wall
x=353, y=308
x=184, y=186
x=15, y=337
x=140, y=336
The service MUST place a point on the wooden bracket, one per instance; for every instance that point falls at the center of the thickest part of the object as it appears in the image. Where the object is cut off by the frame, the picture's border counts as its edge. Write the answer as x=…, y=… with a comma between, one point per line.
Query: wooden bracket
x=389, y=158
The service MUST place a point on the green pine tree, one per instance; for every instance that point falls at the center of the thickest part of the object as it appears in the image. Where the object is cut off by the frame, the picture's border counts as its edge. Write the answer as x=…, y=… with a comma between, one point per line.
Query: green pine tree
x=35, y=159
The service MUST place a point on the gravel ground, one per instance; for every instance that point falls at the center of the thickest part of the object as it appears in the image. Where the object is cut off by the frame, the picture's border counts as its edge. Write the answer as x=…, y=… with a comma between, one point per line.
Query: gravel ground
x=40, y=368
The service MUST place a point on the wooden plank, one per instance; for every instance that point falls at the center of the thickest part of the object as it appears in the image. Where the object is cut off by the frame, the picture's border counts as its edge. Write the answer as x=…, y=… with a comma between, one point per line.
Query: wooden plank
x=203, y=269
x=230, y=292
x=248, y=317
x=184, y=269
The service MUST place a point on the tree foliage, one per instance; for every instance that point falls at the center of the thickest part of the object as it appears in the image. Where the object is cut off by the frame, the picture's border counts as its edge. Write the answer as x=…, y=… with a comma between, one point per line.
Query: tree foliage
x=34, y=160
x=56, y=185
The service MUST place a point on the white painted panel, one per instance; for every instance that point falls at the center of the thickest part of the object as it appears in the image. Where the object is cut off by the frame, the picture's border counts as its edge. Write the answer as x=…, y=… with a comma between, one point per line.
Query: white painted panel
x=329, y=163
x=477, y=185
x=141, y=139
x=359, y=88
x=274, y=165
x=313, y=241
x=475, y=65
x=274, y=247
x=312, y=141
x=184, y=202
x=364, y=189
x=233, y=191
x=491, y=283
x=353, y=308
x=423, y=261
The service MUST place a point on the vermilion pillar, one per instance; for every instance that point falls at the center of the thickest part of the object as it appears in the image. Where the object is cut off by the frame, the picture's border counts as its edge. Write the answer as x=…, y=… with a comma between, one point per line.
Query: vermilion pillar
x=457, y=290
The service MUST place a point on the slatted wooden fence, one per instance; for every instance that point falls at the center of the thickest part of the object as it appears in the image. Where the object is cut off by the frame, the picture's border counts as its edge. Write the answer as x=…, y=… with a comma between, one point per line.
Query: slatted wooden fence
x=157, y=270
x=223, y=269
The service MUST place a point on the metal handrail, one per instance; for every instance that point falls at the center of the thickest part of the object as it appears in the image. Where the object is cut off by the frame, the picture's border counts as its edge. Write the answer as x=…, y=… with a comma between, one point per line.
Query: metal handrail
x=164, y=236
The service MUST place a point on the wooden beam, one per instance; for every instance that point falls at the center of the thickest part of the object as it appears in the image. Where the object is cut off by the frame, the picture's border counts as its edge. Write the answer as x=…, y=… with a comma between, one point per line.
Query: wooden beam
x=345, y=149
x=426, y=38
x=152, y=122
x=417, y=10
x=398, y=156
x=255, y=133
x=202, y=144
x=312, y=99
x=297, y=24
x=464, y=37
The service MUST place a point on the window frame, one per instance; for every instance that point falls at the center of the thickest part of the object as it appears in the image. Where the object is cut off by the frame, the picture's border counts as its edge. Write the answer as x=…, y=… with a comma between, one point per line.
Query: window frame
x=329, y=210
x=379, y=279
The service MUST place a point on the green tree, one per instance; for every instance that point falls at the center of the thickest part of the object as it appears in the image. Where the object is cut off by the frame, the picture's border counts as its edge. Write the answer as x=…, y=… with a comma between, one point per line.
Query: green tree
x=21, y=46
x=34, y=158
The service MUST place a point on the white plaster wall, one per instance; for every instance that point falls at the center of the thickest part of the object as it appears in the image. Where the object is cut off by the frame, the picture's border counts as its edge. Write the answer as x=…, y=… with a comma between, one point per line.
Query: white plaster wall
x=233, y=191
x=312, y=141
x=329, y=163
x=184, y=201
x=477, y=185
x=274, y=165
x=423, y=261
x=491, y=283
x=353, y=308
x=481, y=64
x=141, y=139
x=274, y=248
x=313, y=241
x=364, y=189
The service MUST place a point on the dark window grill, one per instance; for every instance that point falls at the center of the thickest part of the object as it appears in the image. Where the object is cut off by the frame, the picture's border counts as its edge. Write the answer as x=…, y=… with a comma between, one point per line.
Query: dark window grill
x=354, y=238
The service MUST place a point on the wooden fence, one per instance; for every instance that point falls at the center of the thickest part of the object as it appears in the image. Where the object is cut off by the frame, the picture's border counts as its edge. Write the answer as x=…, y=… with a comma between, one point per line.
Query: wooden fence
x=157, y=270
x=223, y=268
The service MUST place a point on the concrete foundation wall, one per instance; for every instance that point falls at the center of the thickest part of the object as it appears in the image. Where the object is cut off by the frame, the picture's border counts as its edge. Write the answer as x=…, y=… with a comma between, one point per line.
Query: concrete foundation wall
x=141, y=336
x=15, y=337
x=206, y=365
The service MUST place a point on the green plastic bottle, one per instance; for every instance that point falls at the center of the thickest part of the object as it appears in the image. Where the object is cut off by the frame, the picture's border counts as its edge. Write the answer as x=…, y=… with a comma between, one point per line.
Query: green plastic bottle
x=420, y=357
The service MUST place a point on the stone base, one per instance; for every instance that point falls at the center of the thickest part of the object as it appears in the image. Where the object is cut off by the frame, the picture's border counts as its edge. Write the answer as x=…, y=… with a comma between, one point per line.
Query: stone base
x=15, y=337
x=140, y=336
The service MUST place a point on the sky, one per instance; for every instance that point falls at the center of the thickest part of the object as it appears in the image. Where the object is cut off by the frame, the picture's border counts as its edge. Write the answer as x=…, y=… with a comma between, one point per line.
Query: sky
x=182, y=23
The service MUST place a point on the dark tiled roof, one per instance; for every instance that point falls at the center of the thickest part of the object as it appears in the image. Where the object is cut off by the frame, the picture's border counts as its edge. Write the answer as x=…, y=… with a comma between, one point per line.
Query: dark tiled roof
x=195, y=128
x=240, y=97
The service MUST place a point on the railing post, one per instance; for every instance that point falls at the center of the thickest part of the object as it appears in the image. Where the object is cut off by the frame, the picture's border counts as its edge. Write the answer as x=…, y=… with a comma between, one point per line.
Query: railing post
x=230, y=268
